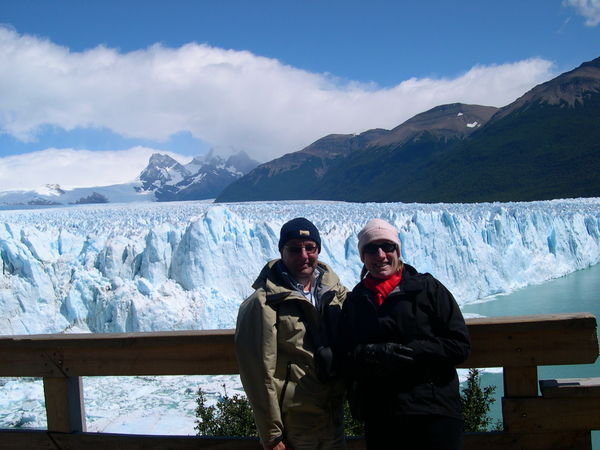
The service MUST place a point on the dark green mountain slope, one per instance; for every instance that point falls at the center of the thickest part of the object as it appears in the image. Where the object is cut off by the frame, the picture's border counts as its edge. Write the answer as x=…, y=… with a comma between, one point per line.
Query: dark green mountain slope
x=543, y=153
x=545, y=145
x=368, y=175
x=337, y=166
x=296, y=176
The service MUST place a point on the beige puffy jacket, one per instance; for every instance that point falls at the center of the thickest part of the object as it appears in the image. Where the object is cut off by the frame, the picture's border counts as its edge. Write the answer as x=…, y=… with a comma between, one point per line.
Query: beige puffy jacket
x=275, y=352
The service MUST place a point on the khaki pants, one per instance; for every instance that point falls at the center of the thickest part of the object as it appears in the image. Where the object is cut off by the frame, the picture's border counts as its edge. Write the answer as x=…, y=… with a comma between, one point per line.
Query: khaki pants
x=315, y=432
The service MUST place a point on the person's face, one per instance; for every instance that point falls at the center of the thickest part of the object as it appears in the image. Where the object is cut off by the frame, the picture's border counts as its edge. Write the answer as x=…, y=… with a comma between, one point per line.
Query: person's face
x=381, y=258
x=300, y=257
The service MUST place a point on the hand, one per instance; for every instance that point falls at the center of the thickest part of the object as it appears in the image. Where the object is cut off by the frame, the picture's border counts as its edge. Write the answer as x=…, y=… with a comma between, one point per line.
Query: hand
x=386, y=355
x=324, y=363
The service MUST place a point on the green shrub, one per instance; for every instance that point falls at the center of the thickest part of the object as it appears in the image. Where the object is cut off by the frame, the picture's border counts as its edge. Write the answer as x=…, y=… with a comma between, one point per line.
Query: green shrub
x=231, y=416
x=352, y=427
x=476, y=403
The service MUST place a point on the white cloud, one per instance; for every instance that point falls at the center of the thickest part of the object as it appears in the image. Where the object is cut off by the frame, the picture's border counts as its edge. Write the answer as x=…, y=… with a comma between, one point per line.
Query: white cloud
x=74, y=168
x=228, y=99
x=589, y=9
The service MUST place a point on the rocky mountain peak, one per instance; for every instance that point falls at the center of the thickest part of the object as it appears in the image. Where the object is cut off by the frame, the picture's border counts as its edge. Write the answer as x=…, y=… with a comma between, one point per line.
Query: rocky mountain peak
x=241, y=162
x=202, y=178
x=161, y=169
x=451, y=120
x=571, y=88
x=53, y=189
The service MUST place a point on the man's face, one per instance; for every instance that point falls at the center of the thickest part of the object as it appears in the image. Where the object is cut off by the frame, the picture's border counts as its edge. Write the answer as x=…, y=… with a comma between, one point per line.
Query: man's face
x=300, y=257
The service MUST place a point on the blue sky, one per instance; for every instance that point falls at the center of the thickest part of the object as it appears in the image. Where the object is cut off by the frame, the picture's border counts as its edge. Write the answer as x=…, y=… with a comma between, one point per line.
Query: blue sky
x=83, y=83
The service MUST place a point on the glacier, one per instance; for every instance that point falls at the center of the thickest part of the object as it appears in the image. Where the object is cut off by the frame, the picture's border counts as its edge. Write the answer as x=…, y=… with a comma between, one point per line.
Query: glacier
x=188, y=265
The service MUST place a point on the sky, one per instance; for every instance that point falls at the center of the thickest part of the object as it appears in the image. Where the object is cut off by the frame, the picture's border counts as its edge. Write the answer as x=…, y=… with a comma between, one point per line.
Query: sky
x=89, y=90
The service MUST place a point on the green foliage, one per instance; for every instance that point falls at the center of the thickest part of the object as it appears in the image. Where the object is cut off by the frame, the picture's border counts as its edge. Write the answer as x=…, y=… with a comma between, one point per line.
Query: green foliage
x=231, y=416
x=352, y=427
x=476, y=403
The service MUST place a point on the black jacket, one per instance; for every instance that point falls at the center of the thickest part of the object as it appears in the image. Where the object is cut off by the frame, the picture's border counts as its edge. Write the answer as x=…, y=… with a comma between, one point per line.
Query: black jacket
x=421, y=314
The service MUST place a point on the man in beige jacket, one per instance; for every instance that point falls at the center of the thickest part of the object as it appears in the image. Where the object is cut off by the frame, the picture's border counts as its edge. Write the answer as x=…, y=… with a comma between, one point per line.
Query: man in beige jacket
x=282, y=341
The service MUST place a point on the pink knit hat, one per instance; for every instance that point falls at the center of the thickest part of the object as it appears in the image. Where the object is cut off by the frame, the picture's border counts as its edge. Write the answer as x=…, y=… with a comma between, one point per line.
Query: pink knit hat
x=374, y=230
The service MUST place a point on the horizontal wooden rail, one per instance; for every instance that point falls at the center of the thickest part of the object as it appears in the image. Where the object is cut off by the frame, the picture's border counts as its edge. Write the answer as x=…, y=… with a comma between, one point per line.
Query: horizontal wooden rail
x=208, y=352
x=496, y=342
x=539, y=340
x=517, y=344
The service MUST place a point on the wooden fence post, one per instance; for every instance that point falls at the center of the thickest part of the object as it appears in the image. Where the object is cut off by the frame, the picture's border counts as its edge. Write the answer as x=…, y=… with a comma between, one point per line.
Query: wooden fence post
x=64, y=404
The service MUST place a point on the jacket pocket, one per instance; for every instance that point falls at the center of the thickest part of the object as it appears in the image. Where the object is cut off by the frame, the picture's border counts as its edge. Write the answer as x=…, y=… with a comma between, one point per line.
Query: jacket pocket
x=286, y=381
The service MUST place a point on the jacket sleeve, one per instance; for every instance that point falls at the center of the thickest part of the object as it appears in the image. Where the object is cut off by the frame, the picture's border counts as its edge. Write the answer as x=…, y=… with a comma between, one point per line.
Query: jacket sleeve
x=450, y=342
x=256, y=352
x=341, y=293
x=344, y=341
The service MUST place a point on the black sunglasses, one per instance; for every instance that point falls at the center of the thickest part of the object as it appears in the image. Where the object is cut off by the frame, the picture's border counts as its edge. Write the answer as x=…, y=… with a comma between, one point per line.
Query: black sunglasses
x=387, y=247
x=310, y=249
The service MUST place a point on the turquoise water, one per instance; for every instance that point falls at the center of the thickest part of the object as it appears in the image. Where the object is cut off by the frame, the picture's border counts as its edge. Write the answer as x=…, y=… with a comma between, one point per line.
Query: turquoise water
x=577, y=292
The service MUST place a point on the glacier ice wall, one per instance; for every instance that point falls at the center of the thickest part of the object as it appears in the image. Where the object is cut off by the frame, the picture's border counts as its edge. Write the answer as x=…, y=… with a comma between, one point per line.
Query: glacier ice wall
x=188, y=265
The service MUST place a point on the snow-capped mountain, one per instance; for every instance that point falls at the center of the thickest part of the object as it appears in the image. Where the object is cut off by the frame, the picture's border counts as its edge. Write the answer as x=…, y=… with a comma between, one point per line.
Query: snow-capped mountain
x=161, y=170
x=54, y=195
x=202, y=178
x=164, y=179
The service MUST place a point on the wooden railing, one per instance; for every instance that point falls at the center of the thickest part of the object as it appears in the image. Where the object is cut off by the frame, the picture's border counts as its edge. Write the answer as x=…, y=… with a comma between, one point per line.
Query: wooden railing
x=562, y=417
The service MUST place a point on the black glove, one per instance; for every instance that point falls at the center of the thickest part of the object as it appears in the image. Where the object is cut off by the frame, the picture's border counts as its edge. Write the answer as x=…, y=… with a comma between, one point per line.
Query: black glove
x=324, y=363
x=385, y=355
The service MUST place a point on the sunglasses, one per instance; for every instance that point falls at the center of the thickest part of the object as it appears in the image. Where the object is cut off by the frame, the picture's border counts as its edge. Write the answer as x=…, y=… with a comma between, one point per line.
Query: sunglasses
x=387, y=247
x=310, y=249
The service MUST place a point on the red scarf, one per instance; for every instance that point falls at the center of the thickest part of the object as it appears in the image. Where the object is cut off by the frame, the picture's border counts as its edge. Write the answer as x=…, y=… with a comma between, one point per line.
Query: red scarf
x=382, y=287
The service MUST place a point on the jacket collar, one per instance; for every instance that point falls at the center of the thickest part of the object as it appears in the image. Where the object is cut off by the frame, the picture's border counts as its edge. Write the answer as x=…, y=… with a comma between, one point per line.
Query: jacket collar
x=277, y=288
x=291, y=282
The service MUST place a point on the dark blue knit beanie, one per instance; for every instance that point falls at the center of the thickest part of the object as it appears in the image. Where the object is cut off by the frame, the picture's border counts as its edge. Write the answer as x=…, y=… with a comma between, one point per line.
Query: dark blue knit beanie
x=299, y=228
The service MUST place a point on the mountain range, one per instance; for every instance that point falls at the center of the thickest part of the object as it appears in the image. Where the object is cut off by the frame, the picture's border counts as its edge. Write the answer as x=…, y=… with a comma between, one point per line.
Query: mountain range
x=163, y=179
x=202, y=178
x=544, y=145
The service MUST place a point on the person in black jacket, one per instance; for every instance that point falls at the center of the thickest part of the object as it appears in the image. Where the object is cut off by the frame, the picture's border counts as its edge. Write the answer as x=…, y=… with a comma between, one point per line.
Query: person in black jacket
x=400, y=337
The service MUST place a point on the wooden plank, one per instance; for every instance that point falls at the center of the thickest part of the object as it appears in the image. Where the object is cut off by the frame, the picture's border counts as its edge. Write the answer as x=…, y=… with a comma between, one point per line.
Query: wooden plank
x=520, y=381
x=540, y=414
x=502, y=440
x=208, y=352
x=41, y=440
x=94, y=441
x=26, y=440
x=30, y=440
x=571, y=387
x=539, y=321
x=533, y=340
x=355, y=443
x=64, y=404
